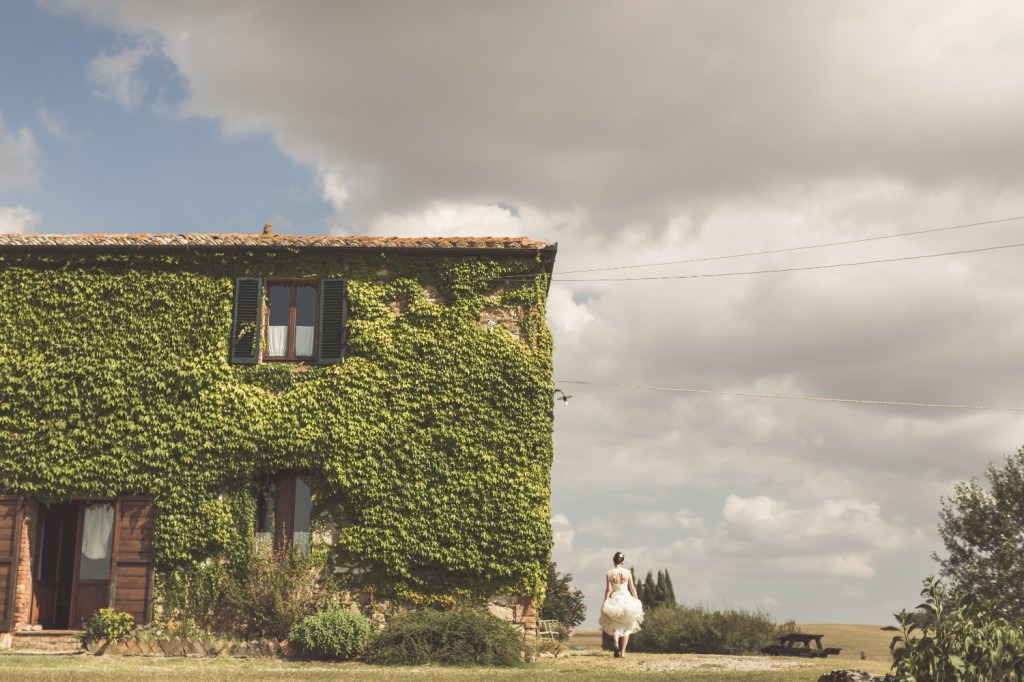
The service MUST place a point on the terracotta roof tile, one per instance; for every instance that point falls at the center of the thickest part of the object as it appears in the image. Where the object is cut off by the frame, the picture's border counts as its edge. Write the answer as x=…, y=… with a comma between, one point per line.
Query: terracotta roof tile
x=100, y=242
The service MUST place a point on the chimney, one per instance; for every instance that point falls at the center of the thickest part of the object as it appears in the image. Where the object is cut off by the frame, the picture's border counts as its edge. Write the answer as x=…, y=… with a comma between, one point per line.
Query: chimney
x=268, y=230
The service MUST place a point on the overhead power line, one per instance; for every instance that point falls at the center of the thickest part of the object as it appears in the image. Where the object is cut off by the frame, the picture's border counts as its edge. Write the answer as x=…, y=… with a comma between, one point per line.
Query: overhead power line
x=780, y=396
x=792, y=269
x=794, y=248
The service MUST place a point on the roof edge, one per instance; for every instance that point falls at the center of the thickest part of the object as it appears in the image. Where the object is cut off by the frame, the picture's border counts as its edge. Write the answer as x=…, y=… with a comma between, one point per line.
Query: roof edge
x=233, y=242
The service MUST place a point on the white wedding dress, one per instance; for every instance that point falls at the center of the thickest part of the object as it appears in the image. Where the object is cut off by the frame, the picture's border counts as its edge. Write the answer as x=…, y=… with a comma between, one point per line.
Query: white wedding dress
x=621, y=613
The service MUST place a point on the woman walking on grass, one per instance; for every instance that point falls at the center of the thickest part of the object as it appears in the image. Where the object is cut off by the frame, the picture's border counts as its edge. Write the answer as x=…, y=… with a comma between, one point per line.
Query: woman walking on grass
x=622, y=612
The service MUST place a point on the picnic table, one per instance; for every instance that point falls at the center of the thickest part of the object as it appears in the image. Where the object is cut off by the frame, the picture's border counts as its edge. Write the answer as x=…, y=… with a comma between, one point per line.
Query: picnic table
x=788, y=646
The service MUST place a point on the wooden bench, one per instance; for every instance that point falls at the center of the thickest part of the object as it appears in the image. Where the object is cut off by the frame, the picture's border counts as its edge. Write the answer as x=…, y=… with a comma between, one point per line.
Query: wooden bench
x=787, y=646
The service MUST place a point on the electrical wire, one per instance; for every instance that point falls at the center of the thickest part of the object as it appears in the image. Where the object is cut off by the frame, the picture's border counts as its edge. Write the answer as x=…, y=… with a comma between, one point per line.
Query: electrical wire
x=792, y=269
x=779, y=396
x=795, y=248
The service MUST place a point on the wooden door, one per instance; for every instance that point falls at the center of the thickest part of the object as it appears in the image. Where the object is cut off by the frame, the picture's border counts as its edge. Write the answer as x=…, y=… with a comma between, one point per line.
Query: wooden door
x=93, y=560
x=54, y=564
x=10, y=546
x=284, y=508
x=131, y=586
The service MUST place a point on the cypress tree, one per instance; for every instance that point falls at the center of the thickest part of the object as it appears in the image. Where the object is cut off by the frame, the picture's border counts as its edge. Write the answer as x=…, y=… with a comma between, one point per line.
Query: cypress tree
x=670, y=593
x=651, y=589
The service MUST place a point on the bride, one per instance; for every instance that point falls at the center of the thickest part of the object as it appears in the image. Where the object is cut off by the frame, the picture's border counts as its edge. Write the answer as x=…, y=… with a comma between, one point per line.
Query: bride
x=622, y=612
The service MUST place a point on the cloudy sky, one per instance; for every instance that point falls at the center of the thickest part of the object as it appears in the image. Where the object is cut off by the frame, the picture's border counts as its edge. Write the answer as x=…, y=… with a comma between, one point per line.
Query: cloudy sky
x=657, y=143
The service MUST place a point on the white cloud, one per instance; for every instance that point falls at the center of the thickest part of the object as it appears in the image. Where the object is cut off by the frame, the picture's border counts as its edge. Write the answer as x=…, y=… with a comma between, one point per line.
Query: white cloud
x=115, y=75
x=762, y=520
x=563, y=533
x=649, y=111
x=334, y=191
x=51, y=123
x=18, y=153
x=622, y=524
x=448, y=218
x=819, y=565
x=17, y=219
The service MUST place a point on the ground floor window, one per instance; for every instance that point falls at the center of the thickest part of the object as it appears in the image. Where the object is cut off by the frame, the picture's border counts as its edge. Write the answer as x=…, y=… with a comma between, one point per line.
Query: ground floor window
x=284, y=509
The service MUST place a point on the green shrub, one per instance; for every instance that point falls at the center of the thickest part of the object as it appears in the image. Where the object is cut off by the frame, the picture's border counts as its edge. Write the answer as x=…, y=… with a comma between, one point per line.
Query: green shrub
x=334, y=634
x=462, y=637
x=955, y=636
x=562, y=602
x=108, y=624
x=269, y=595
x=678, y=628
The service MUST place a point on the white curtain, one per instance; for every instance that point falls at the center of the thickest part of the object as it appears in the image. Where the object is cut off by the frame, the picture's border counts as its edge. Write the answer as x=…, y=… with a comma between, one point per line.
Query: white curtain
x=97, y=531
x=303, y=341
x=277, y=340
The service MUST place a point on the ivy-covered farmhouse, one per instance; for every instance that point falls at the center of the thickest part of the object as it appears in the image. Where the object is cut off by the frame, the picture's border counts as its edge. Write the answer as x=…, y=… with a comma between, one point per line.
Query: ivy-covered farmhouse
x=168, y=401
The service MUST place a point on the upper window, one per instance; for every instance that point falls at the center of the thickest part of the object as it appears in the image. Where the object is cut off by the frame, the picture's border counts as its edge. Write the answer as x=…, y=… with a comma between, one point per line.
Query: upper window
x=289, y=321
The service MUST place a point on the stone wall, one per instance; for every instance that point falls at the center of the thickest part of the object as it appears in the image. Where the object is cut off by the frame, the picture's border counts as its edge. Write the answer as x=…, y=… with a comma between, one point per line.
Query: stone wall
x=187, y=646
x=519, y=611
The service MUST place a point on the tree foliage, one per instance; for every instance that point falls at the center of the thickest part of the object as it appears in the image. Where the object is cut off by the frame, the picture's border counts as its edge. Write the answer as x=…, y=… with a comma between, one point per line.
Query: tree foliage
x=562, y=602
x=655, y=592
x=981, y=528
x=680, y=628
x=955, y=636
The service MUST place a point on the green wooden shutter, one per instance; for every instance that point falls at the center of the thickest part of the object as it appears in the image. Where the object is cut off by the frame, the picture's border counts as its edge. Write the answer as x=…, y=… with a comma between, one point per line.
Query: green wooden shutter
x=333, y=315
x=248, y=320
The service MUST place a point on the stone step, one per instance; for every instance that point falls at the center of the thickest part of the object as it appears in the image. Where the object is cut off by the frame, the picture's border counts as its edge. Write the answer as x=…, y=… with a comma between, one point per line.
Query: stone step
x=50, y=641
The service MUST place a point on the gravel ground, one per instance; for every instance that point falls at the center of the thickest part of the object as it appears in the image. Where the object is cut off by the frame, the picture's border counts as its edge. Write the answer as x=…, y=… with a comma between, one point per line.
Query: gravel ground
x=638, y=663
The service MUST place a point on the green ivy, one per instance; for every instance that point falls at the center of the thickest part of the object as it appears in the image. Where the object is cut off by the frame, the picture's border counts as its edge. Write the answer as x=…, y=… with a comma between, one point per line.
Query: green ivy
x=430, y=444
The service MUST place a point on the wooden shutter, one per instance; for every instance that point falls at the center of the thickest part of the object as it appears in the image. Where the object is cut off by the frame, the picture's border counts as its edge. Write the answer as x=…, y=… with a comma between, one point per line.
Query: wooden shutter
x=333, y=315
x=10, y=547
x=284, y=508
x=247, y=323
x=131, y=580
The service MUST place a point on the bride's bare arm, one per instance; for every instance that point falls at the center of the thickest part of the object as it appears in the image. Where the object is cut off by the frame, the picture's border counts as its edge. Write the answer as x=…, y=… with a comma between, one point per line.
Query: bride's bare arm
x=632, y=587
x=607, y=587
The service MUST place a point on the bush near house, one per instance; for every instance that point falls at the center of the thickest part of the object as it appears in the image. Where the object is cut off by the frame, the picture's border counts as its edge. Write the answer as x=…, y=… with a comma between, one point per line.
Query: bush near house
x=333, y=634
x=270, y=594
x=460, y=637
x=108, y=624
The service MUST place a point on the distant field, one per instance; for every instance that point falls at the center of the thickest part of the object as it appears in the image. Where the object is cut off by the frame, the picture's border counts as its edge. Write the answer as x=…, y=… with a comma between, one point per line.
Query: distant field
x=852, y=639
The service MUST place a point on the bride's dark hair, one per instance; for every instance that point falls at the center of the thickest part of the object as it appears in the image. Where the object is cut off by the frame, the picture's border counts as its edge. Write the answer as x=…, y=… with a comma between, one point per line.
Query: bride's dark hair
x=618, y=558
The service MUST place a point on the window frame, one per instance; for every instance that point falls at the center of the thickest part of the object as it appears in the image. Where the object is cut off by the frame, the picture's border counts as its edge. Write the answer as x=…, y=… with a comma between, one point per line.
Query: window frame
x=250, y=321
x=293, y=286
x=276, y=507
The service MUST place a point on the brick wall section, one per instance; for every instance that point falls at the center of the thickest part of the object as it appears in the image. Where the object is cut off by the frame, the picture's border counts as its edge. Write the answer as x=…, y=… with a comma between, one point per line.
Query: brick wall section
x=525, y=614
x=23, y=590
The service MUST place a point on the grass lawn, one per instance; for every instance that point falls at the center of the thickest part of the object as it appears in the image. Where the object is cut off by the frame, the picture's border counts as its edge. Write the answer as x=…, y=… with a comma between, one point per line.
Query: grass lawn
x=575, y=666
x=584, y=660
